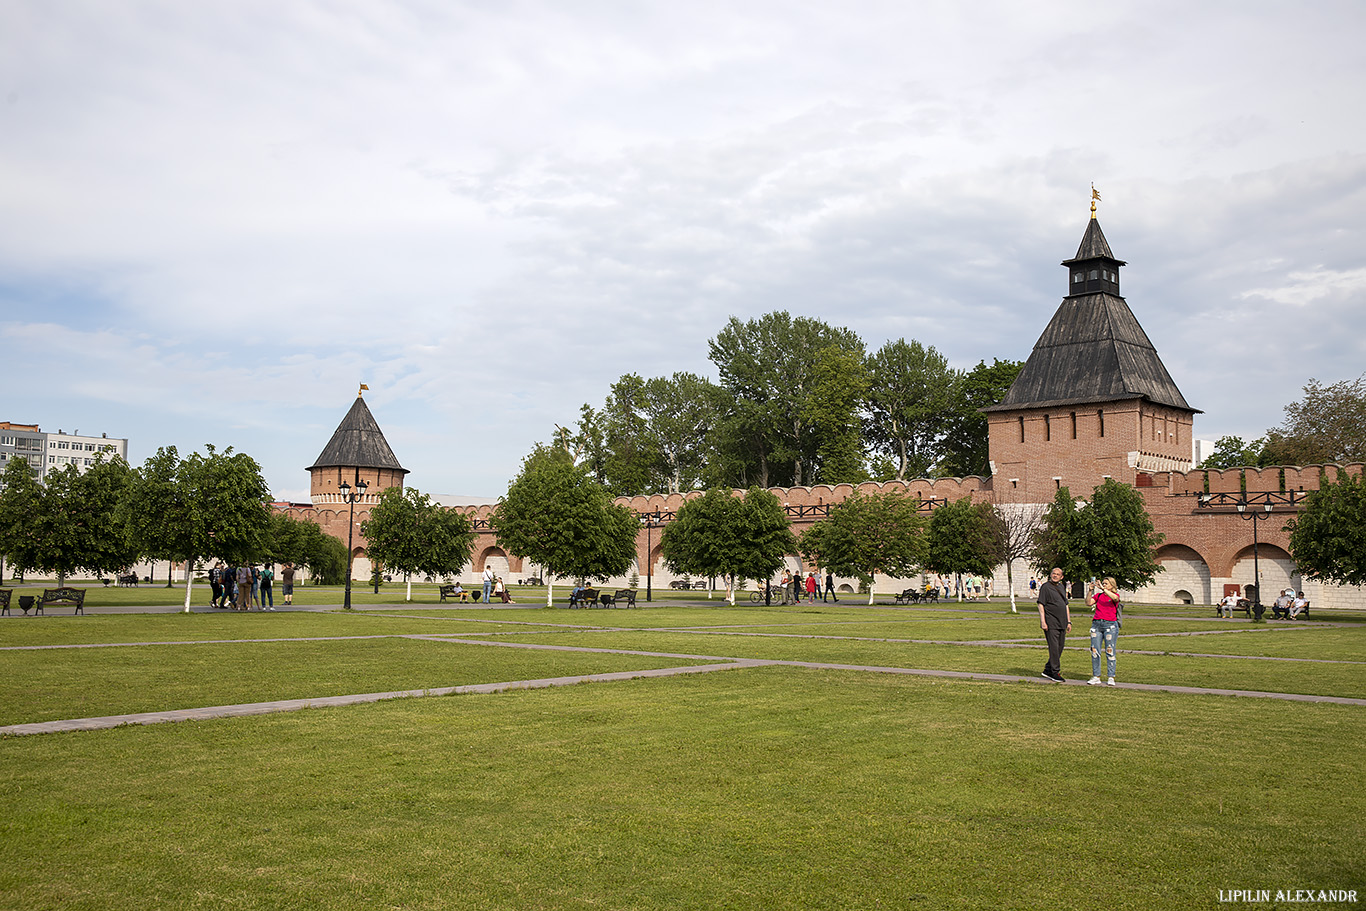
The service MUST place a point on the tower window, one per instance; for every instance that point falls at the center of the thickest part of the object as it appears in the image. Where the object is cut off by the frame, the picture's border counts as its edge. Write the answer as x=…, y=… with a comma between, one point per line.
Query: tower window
x=1100, y=415
x=1095, y=274
x=1021, y=429
x=1074, y=425
x=1047, y=428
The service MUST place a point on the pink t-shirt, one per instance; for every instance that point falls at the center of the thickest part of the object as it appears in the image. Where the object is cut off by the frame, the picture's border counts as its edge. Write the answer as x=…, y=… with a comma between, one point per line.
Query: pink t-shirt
x=1105, y=607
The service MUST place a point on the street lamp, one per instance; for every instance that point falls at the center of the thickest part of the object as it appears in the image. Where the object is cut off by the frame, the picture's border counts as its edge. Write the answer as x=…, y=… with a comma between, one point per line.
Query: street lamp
x=1254, y=516
x=649, y=522
x=350, y=496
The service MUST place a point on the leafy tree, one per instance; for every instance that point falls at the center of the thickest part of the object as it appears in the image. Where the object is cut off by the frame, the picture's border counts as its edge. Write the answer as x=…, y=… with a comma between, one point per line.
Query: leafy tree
x=304, y=543
x=909, y=405
x=69, y=522
x=1327, y=425
x=963, y=537
x=408, y=533
x=965, y=438
x=720, y=534
x=868, y=534
x=680, y=412
x=20, y=504
x=1232, y=452
x=768, y=365
x=555, y=515
x=1328, y=538
x=211, y=505
x=840, y=386
x=1113, y=535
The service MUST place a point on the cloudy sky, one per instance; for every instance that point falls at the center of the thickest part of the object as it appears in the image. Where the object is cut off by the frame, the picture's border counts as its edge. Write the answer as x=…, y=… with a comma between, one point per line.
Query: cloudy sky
x=218, y=218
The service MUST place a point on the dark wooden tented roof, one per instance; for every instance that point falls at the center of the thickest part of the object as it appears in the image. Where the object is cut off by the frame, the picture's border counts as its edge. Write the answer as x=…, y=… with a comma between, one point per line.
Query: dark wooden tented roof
x=1093, y=350
x=358, y=443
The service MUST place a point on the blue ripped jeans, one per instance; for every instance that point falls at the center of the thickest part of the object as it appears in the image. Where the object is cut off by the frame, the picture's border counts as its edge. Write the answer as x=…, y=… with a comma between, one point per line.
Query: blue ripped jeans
x=1106, y=631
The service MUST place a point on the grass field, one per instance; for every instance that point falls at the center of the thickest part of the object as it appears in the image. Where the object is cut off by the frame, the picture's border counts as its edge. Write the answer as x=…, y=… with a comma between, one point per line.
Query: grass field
x=771, y=787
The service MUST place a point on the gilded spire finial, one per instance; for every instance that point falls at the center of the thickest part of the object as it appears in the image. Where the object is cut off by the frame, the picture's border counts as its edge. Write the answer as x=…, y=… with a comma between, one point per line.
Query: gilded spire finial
x=1095, y=198
x=364, y=388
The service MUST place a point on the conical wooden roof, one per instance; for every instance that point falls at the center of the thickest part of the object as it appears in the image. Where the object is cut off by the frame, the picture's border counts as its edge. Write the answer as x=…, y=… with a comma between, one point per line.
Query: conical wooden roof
x=1093, y=350
x=358, y=443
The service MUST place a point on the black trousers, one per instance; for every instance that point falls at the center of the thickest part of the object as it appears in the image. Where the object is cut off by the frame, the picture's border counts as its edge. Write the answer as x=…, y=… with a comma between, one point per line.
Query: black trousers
x=1056, y=637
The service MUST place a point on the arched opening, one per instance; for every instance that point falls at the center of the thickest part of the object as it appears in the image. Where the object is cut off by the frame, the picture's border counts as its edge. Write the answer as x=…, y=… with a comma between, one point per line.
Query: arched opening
x=1184, y=571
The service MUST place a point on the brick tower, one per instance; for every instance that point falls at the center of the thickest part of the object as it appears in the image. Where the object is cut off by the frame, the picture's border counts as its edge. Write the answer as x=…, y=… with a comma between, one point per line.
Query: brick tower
x=356, y=452
x=1093, y=400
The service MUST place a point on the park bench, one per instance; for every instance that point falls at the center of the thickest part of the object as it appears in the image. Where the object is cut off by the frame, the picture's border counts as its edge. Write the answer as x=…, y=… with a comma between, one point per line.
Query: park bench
x=624, y=597
x=530, y=580
x=680, y=583
x=65, y=595
x=449, y=591
x=128, y=579
x=585, y=597
x=909, y=596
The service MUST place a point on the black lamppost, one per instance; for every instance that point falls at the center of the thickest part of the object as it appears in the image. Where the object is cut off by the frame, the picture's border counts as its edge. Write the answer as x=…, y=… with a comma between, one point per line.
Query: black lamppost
x=649, y=522
x=350, y=496
x=1255, y=516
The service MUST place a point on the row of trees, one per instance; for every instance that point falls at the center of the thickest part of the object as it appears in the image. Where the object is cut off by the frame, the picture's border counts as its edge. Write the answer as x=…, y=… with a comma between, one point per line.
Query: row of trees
x=102, y=521
x=1327, y=425
x=798, y=402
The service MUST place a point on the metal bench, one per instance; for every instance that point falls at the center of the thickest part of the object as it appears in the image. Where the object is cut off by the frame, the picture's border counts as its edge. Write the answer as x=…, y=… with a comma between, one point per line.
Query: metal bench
x=65, y=595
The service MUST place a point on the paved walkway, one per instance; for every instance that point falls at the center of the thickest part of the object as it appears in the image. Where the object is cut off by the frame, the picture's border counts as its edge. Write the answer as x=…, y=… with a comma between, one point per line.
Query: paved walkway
x=714, y=663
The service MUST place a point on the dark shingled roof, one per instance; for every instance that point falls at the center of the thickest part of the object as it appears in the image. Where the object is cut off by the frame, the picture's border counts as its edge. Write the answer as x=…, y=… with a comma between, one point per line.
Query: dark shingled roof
x=358, y=443
x=1093, y=350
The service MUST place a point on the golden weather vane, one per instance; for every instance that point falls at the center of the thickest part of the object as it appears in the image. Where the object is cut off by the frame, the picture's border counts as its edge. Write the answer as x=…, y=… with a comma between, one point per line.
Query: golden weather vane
x=364, y=388
x=1095, y=198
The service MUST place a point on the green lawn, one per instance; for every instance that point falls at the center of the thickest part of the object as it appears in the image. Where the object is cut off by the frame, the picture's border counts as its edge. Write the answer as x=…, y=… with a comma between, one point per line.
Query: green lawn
x=762, y=788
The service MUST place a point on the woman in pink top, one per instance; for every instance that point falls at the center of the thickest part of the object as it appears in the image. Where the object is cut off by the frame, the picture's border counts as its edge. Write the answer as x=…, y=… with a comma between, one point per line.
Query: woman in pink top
x=1104, y=629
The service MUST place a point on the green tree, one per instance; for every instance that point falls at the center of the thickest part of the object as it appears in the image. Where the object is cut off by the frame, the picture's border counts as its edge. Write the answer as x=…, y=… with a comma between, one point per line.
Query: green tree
x=910, y=402
x=867, y=534
x=837, y=395
x=1328, y=538
x=69, y=522
x=20, y=505
x=1113, y=535
x=720, y=534
x=555, y=515
x=1232, y=452
x=211, y=505
x=680, y=413
x=963, y=537
x=408, y=533
x=768, y=365
x=1327, y=425
x=965, y=439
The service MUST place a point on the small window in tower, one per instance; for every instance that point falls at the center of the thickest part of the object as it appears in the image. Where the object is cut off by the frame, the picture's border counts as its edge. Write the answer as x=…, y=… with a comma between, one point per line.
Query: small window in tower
x=1022, y=430
x=1100, y=415
x=1077, y=278
x=1074, y=425
x=1047, y=428
x=1095, y=274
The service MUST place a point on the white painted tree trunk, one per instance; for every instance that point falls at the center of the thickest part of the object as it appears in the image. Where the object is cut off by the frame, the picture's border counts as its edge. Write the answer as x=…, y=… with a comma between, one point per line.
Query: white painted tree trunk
x=549, y=591
x=872, y=587
x=189, y=583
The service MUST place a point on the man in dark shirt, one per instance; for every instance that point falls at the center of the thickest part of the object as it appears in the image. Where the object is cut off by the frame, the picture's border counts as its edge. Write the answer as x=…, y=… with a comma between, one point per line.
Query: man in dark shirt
x=1056, y=619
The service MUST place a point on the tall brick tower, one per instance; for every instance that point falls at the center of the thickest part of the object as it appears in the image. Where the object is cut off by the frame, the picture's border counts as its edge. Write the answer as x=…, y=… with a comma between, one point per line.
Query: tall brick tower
x=1093, y=400
x=356, y=452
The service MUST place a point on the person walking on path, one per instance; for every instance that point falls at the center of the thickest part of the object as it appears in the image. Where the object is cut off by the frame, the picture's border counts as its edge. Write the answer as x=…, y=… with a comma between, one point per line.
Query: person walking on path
x=1055, y=617
x=811, y=586
x=268, y=585
x=287, y=582
x=1104, y=629
x=830, y=586
x=256, y=587
x=488, y=582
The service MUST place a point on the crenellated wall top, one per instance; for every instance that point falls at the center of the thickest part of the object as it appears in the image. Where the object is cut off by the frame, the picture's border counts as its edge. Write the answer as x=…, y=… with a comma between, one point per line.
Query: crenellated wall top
x=1235, y=480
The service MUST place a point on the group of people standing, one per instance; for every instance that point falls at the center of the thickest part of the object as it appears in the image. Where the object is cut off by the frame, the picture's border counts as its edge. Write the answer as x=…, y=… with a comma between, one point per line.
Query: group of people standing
x=794, y=588
x=1055, y=617
x=246, y=587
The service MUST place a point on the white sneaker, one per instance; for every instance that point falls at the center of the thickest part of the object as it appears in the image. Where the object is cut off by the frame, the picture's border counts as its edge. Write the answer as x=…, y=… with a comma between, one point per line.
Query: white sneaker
x=1110, y=682
x=1094, y=681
